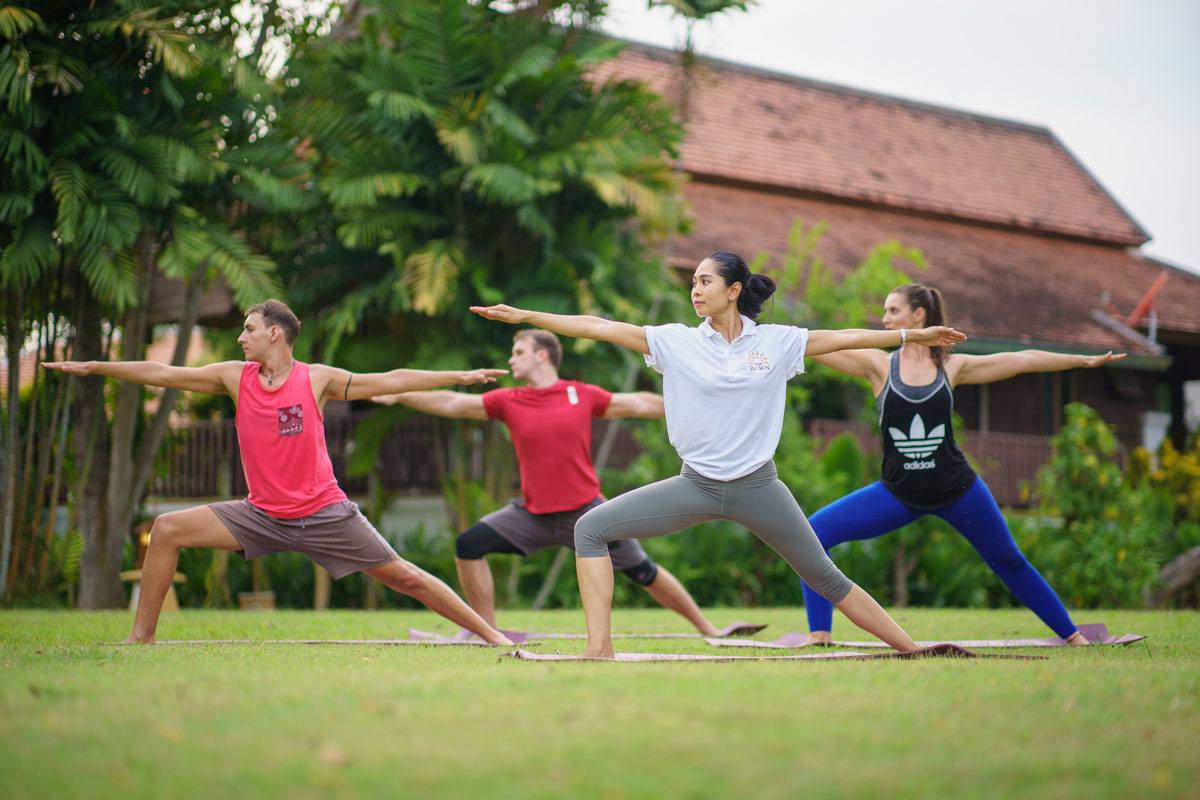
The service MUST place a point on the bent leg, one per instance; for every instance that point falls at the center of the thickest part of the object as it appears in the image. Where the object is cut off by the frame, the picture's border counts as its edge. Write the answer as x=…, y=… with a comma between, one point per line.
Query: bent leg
x=655, y=510
x=768, y=509
x=977, y=517
x=193, y=527
x=867, y=513
x=407, y=578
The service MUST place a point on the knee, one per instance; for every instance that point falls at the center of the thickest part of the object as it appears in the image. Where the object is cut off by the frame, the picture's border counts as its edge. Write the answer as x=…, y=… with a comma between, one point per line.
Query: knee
x=469, y=545
x=643, y=574
x=1009, y=562
x=166, y=531
x=830, y=582
x=590, y=541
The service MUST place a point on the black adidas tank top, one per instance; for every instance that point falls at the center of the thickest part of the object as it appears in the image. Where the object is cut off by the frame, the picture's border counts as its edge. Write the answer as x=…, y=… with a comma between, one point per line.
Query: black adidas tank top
x=922, y=465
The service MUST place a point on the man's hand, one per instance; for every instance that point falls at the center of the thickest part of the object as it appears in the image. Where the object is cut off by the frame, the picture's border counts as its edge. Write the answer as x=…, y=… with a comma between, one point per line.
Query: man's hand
x=471, y=377
x=82, y=368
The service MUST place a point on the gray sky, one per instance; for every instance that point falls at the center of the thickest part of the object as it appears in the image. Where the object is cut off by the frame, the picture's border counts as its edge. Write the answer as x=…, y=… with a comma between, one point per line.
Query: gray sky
x=1117, y=80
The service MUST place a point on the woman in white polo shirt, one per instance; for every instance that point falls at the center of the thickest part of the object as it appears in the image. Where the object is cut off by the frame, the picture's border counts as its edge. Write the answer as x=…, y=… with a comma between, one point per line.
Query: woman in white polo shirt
x=724, y=386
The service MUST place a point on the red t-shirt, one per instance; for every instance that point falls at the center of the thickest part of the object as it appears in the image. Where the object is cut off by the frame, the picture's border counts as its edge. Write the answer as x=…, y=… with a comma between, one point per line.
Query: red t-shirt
x=552, y=433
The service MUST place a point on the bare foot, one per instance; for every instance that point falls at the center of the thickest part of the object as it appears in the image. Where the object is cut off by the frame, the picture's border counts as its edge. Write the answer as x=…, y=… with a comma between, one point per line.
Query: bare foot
x=818, y=638
x=1077, y=639
x=600, y=655
x=140, y=640
x=499, y=639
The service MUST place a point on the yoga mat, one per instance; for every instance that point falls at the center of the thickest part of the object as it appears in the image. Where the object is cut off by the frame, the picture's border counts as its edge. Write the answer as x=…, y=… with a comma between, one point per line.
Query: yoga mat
x=1096, y=634
x=520, y=637
x=433, y=642
x=943, y=650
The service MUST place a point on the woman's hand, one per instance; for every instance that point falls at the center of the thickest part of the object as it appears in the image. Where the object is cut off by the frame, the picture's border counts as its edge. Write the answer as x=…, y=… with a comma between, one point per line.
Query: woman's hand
x=502, y=313
x=936, y=336
x=1096, y=361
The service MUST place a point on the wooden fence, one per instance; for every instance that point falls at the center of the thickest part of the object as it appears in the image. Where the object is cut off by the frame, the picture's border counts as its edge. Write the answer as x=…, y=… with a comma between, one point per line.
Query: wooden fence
x=198, y=458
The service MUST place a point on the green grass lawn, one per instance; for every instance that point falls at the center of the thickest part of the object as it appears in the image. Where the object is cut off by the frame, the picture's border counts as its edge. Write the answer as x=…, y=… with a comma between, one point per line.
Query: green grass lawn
x=82, y=717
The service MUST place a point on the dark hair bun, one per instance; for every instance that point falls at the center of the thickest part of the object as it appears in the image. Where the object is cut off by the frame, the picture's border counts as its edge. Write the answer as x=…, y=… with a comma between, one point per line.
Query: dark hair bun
x=755, y=292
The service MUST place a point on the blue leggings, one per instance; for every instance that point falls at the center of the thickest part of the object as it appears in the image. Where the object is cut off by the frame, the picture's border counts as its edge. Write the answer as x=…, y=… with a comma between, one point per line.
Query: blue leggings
x=873, y=511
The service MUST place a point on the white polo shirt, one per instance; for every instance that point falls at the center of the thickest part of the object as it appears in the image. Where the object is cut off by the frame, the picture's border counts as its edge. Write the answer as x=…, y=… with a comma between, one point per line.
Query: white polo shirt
x=725, y=400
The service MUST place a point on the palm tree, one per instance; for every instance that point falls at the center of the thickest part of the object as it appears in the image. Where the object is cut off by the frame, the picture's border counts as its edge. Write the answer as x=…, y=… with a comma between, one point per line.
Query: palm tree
x=134, y=141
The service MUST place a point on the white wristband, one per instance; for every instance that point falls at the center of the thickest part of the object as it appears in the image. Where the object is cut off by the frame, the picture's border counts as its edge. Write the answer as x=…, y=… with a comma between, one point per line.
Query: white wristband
x=903, y=336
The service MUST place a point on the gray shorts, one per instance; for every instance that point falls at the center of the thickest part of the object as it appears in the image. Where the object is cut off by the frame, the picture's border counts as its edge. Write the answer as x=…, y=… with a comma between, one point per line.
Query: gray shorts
x=529, y=532
x=338, y=537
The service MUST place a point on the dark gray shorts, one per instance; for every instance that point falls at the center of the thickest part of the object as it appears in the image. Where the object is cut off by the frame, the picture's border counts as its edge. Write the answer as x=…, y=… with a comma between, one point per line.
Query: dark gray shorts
x=338, y=537
x=529, y=532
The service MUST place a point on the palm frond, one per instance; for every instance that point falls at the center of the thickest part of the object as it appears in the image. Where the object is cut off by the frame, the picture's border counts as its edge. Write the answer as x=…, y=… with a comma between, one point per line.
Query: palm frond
x=112, y=276
x=364, y=191
x=27, y=255
x=16, y=21
x=431, y=275
x=400, y=106
x=14, y=207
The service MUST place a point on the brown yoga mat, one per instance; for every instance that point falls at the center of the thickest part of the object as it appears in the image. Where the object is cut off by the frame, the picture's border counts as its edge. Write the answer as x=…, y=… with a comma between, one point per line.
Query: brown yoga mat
x=520, y=637
x=943, y=650
x=423, y=642
x=1095, y=633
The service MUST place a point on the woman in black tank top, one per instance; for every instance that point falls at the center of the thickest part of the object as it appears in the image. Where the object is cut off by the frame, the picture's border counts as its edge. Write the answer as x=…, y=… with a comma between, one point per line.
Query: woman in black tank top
x=924, y=472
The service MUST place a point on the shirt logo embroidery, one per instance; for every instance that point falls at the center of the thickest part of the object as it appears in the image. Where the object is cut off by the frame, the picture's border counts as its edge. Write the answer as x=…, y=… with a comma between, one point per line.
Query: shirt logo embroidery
x=918, y=443
x=572, y=396
x=758, y=362
x=291, y=420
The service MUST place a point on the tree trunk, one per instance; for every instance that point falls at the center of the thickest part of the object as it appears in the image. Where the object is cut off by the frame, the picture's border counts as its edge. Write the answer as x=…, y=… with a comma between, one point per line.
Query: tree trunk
x=130, y=465
x=99, y=586
x=1178, y=573
x=12, y=333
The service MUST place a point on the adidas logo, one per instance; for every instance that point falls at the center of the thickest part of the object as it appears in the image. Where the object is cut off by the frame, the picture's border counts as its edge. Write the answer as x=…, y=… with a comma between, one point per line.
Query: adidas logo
x=917, y=443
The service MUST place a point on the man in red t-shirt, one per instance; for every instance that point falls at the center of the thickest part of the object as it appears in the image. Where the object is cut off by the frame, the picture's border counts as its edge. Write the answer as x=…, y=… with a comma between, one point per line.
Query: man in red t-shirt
x=550, y=420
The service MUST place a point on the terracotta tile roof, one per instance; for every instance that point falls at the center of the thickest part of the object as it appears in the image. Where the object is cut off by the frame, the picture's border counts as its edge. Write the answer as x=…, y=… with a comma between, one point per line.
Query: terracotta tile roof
x=805, y=136
x=999, y=284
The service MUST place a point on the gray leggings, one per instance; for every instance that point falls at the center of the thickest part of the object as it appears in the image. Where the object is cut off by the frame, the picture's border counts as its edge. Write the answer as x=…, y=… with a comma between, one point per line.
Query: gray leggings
x=758, y=501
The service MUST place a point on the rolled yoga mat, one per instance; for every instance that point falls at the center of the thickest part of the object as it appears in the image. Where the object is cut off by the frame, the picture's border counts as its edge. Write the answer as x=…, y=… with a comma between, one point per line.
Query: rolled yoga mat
x=943, y=650
x=1095, y=633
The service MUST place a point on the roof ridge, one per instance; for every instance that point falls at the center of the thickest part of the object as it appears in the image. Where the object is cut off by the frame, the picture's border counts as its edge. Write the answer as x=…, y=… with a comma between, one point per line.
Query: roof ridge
x=667, y=54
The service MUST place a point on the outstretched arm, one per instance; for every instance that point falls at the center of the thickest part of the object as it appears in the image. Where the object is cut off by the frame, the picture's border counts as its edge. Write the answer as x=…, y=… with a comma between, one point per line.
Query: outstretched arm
x=458, y=405
x=219, y=378
x=822, y=342
x=643, y=405
x=332, y=383
x=999, y=366
x=622, y=334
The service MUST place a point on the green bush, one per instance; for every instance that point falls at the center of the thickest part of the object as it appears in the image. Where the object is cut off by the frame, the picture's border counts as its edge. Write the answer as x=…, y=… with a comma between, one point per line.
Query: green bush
x=1101, y=543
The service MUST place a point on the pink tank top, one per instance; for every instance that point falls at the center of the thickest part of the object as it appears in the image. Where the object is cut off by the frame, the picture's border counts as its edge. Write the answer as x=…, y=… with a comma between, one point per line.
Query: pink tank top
x=282, y=438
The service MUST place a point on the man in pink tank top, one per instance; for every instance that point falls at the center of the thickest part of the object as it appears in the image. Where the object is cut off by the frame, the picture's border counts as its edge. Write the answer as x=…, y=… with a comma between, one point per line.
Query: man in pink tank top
x=294, y=502
x=550, y=420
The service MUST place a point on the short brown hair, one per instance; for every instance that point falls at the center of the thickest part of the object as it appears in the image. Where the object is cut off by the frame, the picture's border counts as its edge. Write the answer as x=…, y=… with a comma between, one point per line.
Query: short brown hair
x=544, y=340
x=276, y=312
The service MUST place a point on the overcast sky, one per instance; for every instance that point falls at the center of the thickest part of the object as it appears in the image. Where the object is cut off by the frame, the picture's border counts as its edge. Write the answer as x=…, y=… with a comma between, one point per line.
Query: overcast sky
x=1118, y=81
